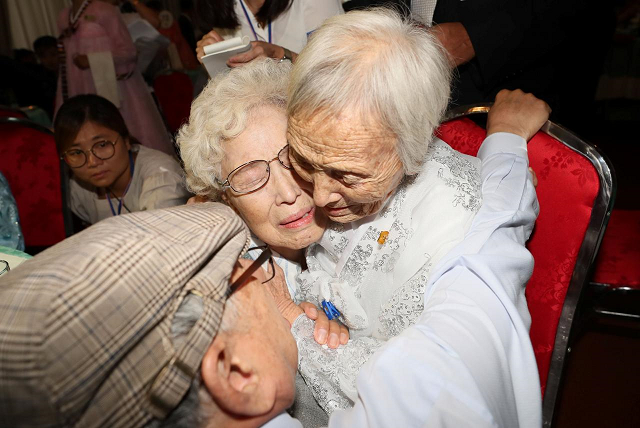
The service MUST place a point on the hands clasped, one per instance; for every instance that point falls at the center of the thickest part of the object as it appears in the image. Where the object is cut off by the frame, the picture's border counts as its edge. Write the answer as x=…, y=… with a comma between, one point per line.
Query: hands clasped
x=327, y=332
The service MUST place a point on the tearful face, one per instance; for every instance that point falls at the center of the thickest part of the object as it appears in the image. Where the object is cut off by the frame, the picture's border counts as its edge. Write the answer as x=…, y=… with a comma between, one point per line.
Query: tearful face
x=352, y=163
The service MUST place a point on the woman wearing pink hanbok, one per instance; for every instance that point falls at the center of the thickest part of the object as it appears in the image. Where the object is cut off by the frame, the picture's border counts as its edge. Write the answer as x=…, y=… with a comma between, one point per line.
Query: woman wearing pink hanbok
x=88, y=28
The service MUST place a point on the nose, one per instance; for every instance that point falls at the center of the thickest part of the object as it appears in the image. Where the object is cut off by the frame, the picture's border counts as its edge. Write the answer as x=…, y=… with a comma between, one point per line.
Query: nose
x=286, y=187
x=323, y=190
x=92, y=160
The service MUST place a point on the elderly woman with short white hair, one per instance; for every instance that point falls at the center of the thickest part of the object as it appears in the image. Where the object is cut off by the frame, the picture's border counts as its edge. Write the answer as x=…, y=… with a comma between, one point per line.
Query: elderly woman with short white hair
x=366, y=96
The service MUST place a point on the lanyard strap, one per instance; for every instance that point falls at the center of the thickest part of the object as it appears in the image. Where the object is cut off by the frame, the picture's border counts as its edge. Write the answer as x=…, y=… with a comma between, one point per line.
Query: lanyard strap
x=121, y=199
x=246, y=14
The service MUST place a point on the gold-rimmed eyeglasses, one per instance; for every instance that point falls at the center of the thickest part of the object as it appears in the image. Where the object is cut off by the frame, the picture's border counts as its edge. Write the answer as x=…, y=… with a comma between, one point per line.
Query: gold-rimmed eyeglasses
x=103, y=150
x=252, y=175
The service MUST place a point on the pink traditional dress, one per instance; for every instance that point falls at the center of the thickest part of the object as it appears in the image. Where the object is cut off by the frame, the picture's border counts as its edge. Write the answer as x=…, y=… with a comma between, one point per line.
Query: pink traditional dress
x=100, y=33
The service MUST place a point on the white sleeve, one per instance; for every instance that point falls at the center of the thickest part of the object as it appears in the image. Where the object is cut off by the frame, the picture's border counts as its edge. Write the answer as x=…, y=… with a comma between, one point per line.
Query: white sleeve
x=468, y=361
x=162, y=190
x=283, y=420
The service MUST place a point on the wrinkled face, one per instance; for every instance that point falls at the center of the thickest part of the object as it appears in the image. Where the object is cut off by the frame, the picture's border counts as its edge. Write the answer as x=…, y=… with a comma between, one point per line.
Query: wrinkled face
x=282, y=213
x=352, y=164
x=97, y=172
x=269, y=340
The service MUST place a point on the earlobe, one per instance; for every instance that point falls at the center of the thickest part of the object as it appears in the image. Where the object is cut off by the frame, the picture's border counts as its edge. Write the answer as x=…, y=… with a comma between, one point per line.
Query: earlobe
x=227, y=201
x=233, y=382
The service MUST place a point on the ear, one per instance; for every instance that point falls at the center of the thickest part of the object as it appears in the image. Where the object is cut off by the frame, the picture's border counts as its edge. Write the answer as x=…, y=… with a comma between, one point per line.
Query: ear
x=229, y=201
x=233, y=380
x=127, y=143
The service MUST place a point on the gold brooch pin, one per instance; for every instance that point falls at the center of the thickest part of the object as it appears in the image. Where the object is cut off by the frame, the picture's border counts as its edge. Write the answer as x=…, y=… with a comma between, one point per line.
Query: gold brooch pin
x=383, y=237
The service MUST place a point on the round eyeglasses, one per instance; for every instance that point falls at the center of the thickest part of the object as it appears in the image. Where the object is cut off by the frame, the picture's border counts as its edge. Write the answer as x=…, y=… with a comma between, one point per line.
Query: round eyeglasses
x=103, y=150
x=251, y=176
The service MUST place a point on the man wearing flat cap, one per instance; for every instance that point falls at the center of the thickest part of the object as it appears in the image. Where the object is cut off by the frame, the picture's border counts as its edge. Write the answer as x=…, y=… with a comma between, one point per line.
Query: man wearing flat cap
x=116, y=325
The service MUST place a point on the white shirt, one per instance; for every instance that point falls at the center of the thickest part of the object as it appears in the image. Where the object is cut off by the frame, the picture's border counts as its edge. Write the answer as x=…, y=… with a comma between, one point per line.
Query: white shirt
x=468, y=360
x=291, y=29
x=157, y=183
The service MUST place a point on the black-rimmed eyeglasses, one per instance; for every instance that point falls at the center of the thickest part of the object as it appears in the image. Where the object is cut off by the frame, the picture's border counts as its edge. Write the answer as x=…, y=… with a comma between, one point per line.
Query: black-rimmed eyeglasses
x=251, y=176
x=263, y=256
x=103, y=150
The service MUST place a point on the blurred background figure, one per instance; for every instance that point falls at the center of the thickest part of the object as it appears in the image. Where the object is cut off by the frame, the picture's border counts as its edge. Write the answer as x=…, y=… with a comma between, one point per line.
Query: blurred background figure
x=10, y=232
x=100, y=58
x=112, y=174
x=46, y=49
x=168, y=26
x=278, y=28
x=188, y=23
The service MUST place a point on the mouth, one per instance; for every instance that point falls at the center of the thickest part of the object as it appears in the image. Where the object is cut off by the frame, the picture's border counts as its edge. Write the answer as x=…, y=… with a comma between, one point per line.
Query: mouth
x=335, y=212
x=99, y=175
x=299, y=219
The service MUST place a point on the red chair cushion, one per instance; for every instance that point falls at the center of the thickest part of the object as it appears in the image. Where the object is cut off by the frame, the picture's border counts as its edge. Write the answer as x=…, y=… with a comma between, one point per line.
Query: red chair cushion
x=29, y=161
x=567, y=187
x=175, y=93
x=9, y=112
x=618, y=262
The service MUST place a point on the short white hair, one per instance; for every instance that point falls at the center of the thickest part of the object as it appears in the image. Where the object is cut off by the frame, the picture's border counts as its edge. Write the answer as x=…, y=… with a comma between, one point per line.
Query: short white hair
x=383, y=67
x=221, y=112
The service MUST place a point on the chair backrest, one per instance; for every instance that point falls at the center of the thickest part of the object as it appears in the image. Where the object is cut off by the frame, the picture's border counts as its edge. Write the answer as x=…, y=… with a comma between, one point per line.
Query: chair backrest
x=175, y=93
x=12, y=112
x=31, y=165
x=576, y=186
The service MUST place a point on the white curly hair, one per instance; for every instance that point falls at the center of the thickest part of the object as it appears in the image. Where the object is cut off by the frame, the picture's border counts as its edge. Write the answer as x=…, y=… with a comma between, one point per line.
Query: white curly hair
x=220, y=114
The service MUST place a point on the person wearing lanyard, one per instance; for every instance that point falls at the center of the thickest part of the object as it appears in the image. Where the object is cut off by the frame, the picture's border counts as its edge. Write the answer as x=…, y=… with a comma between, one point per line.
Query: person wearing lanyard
x=279, y=28
x=111, y=174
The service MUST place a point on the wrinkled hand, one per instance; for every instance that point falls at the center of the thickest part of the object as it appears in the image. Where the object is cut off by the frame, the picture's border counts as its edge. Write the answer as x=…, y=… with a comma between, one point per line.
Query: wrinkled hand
x=81, y=61
x=208, y=39
x=455, y=39
x=518, y=113
x=258, y=50
x=331, y=332
x=280, y=293
x=198, y=199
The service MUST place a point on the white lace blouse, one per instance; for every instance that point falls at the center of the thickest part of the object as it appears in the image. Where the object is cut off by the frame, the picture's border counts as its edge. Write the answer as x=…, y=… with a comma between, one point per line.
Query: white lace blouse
x=379, y=288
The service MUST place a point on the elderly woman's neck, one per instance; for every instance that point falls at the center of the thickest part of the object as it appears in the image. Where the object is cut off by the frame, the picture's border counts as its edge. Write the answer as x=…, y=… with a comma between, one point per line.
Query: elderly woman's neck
x=296, y=256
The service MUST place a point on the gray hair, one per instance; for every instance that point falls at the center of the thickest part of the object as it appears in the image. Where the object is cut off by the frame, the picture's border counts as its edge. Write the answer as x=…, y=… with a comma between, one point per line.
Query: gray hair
x=221, y=112
x=381, y=66
x=195, y=408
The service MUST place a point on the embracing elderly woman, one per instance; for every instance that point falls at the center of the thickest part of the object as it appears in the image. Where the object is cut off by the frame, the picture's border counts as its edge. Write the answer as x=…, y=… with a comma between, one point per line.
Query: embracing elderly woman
x=366, y=95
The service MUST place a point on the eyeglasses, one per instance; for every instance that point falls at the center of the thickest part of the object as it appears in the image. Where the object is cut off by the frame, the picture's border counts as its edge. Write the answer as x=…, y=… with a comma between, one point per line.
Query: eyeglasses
x=103, y=150
x=251, y=176
x=6, y=268
x=259, y=261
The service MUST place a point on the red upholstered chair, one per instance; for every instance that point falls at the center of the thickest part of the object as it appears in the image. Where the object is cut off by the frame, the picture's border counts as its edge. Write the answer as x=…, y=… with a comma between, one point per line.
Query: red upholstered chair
x=12, y=112
x=175, y=93
x=30, y=162
x=615, y=288
x=576, y=192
